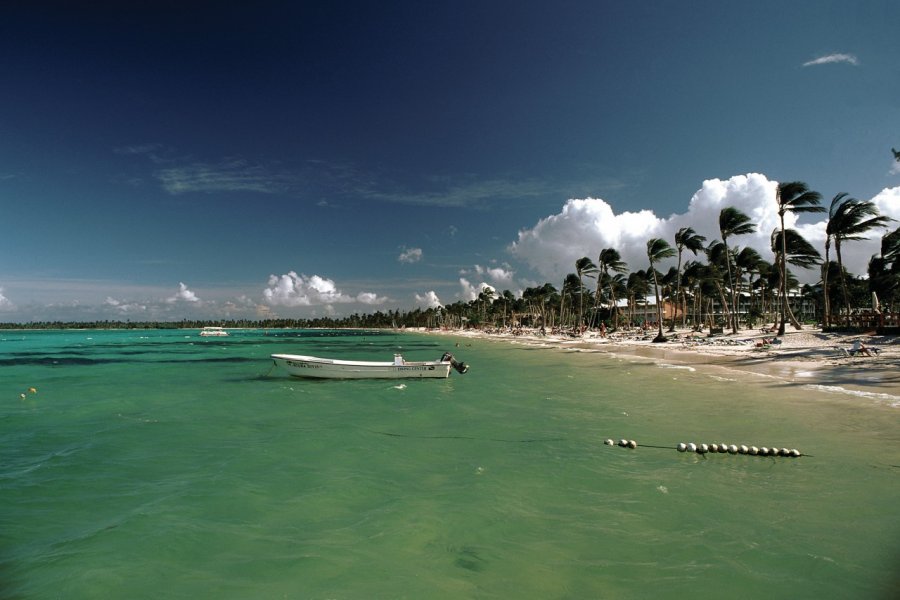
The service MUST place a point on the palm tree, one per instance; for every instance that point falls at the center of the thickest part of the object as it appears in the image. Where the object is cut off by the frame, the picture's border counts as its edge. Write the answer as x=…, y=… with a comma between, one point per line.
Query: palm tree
x=884, y=269
x=745, y=261
x=657, y=250
x=685, y=238
x=570, y=285
x=636, y=285
x=583, y=266
x=799, y=252
x=733, y=222
x=717, y=258
x=793, y=197
x=694, y=273
x=610, y=260
x=544, y=293
x=848, y=220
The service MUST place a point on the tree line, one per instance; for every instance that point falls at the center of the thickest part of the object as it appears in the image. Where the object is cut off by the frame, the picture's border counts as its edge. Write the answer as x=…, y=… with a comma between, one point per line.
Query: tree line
x=706, y=287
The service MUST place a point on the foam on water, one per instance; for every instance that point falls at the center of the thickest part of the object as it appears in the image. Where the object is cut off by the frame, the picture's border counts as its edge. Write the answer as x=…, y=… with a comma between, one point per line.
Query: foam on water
x=882, y=398
x=671, y=366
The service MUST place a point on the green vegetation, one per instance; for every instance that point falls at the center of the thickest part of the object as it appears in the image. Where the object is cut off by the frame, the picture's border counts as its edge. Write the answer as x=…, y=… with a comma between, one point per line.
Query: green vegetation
x=733, y=286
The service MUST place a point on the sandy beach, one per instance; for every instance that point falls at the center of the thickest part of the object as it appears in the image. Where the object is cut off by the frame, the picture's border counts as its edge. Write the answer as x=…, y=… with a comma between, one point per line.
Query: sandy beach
x=808, y=356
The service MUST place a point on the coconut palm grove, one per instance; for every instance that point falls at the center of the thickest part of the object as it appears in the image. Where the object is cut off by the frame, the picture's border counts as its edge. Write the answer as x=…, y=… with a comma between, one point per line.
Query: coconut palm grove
x=716, y=285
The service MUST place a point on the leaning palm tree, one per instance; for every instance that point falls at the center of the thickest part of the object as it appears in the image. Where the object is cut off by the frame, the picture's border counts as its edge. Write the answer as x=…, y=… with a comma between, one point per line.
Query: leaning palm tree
x=583, y=266
x=657, y=250
x=884, y=269
x=795, y=197
x=571, y=285
x=694, y=274
x=685, y=238
x=733, y=222
x=848, y=220
x=635, y=286
x=799, y=252
x=745, y=261
x=610, y=260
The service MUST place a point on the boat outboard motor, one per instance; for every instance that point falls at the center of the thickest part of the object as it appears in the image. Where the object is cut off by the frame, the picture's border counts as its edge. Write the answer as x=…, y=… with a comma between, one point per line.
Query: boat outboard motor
x=460, y=367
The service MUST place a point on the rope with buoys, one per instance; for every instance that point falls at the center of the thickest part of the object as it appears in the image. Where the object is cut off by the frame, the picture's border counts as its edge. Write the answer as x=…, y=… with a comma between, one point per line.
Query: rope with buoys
x=716, y=448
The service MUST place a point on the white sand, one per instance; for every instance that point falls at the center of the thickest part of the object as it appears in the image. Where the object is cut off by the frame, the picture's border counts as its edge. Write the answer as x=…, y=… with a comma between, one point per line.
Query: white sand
x=807, y=356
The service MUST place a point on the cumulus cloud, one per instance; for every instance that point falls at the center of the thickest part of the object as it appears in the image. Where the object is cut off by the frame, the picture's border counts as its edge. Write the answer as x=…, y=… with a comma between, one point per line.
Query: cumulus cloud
x=370, y=298
x=469, y=292
x=584, y=227
x=888, y=202
x=5, y=303
x=183, y=295
x=832, y=59
x=501, y=276
x=410, y=255
x=300, y=290
x=428, y=300
x=126, y=307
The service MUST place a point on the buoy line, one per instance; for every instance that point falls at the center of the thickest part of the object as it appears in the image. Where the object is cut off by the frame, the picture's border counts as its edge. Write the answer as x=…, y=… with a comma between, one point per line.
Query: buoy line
x=715, y=448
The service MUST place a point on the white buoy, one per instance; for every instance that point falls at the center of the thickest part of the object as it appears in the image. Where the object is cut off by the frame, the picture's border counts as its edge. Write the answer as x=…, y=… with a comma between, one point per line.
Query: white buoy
x=632, y=444
x=609, y=442
x=704, y=448
x=773, y=451
x=623, y=442
x=795, y=453
x=692, y=447
x=732, y=449
x=742, y=449
x=723, y=448
x=763, y=451
x=713, y=447
x=681, y=447
x=785, y=452
x=754, y=450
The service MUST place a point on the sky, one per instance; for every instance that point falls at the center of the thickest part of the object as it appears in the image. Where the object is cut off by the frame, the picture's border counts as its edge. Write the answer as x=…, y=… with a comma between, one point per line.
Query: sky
x=223, y=160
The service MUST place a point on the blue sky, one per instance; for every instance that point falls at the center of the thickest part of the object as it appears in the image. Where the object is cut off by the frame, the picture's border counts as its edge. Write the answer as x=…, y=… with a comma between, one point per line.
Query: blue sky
x=165, y=160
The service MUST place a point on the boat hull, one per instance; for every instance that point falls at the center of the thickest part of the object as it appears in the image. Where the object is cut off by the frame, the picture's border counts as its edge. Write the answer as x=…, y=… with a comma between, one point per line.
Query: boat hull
x=326, y=368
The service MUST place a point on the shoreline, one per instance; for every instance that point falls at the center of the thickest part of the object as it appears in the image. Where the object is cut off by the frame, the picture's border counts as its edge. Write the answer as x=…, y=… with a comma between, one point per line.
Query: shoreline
x=805, y=357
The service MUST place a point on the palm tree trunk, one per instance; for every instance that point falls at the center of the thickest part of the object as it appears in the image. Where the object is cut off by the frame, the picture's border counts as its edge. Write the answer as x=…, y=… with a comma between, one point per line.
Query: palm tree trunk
x=844, y=290
x=826, y=309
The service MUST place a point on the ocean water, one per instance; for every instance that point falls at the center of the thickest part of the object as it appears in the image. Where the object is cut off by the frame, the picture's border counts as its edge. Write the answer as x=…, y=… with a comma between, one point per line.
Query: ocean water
x=158, y=464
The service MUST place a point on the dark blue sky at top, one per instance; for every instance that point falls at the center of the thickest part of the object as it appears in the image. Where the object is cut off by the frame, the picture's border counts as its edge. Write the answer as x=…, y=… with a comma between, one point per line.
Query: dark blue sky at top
x=327, y=137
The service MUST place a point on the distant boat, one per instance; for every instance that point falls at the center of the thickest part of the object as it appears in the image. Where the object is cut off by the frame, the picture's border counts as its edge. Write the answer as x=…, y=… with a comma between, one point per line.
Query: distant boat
x=213, y=332
x=329, y=368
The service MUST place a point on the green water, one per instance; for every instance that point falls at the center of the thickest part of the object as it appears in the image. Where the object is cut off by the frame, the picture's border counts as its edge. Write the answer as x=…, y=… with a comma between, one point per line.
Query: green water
x=164, y=465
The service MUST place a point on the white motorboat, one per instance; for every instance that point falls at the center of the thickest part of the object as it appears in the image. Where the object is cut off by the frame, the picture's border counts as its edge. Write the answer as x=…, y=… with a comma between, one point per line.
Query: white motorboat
x=329, y=368
x=213, y=332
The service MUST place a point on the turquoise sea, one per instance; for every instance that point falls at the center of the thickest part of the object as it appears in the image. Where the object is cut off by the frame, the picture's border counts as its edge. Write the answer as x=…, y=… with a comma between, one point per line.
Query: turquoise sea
x=159, y=464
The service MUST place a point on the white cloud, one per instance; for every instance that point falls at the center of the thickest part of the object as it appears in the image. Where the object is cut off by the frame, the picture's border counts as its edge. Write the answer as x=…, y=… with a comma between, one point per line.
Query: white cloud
x=429, y=300
x=584, y=227
x=833, y=58
x=229, y=175
x=469, y=292
x=300, y=290
x=183, y=295
x=5, y=303
x=126, y=307
x=410, y=255
x=888, y=203
x=895, y=168
x=501, y=276
x=370, y=298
